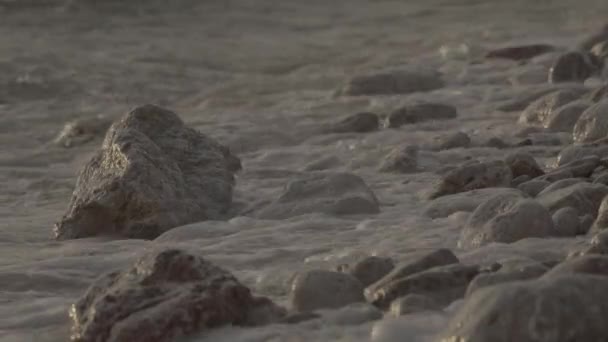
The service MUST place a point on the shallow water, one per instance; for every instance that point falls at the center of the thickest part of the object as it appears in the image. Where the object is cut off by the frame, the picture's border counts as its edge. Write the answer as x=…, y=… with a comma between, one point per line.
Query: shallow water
x=259, y=77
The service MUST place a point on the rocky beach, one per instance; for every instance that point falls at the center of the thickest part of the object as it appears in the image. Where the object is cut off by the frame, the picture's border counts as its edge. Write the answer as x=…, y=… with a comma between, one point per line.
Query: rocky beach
x=362, y=170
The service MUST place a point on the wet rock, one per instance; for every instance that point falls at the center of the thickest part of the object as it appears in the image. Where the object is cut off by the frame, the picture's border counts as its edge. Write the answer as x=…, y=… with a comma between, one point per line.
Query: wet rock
x=574, y=66
x=520, y=180
x=81, y=131
x=332, y=193
x=533, y=187
x=524, y=99
x=151, y=174
x=393, y=82
x=495, y=142
x=566, y=222
x=582, y=167
x=599, y=36
x=601, y=222
x=370, y=269
x=584, y=197
x=560, y=184
x=522, y=163
x=165, y=295
x=577, y=152
x=506, y=218
x=601, y=178
x=465, y=201
x=585, y=223
x=454, y=140
x=600, y=50
x=443, y=284
x=521, y=52
x=526, y=131
x=564, y=119
x=524, y=272
x=401, y=160
x=598, y=94
x=357, y=123
x=439, y=257
x=593, y=264
x=413, y=303
x=473, y=175
x=540, y=111
x=420, y=112
x=556, y=309
x=592, y=124
x=321, y=289
x=352, y=314
x=556, y=176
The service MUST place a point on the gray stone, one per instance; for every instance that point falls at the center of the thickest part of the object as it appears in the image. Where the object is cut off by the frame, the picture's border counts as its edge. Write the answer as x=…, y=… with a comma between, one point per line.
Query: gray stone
x=574, y=66
x=597, y=245
x=593, y=123
x=81, y=131
x=526, y=97
x=585, y=223
x=321, y=289
x=465, y=201
x=583, y=167
x=600, y=50
x=413, y=303
x=561, y=184
x=393, y=82
x=506, y=219
x=471, y=176
x=585, y=197
x=370, y=269
x=352, y=314
x=151, y=174
x=533, y=187
x=524, y=272
x=323, y=192
x=553, y=309
x=496, y=142
x=553, y=176
x=357, y=123
x=539, y=111
x=454, y=140
x=520, y=180
x=600, y=35
x=165, y=295
x=601, y=222
x=420, y=112
x=577, y=152
x=521, y=52
x=598, y=94
x=566, y=222
x=401, y=160
x=565, y=117
x=522, y=163
x=593, y=264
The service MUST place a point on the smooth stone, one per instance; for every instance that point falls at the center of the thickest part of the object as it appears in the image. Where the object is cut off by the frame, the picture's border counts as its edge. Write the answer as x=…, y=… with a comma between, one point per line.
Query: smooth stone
x=593, y=264
x=601, y=222
x=574, y=66
x=496, y=142
x=471, y=176
x=521, y=52
x=557, y=309
x=592, y=124
x=566, y=222
x=463, y=202
x=564, y=118
x=541, y=110
x=352, y=314
x=585, y=224
x=420, y=112
x=522, y=100
x=322, y=289
x=577, y=152
x=151, y=174
x=165, y=295
x=581, y=168
x=393, y=82
x=600, y=50
x=413, y=303
x=533, y=187
x=332, y=193
x=370, y=269
x=357, y=123
x=323, y=164
x=597, y=245
x=401, y=160
x=553, y=176
x=454, y=140
x=561, y=184
x=598, y=94
x=522, y=163
x=81, y=131
x=585, y=197
x=520, y=180
x=524, y=272
x=598, y=36
x=506, y=218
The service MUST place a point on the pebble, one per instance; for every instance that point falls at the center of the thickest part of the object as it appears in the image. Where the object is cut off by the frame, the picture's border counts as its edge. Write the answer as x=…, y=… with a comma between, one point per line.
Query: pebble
x=420, y=112
x=321, y=289
x=592, y=124
x=363, y=122
x=471, y=176
x=566, y=221
x=393, y=82
x=574, y=66
x=401, y=160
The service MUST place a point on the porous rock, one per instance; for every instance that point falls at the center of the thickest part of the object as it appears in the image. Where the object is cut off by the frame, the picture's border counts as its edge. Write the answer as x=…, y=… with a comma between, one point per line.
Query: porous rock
x=393, y=82
x=322, y=289
x=151, y=174
x=420, y=112
x=471, y=176
x=592, y=124
x=165, y=295
x=574, y=66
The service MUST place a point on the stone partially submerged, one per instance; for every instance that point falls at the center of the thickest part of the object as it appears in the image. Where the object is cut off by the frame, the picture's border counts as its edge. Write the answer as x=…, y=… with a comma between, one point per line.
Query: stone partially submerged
x=473, y=175
x=592, y=125
x=166, y=295
x=151, y=174
x=393, y=82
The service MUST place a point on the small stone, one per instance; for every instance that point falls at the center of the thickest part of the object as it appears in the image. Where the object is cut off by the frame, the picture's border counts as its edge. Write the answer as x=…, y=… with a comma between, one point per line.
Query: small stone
x=592, y=124
x=593, y=264
x=564, y=118
x=584, y=197
x=601, y=223
x=521, y=52
x=574, y=66
x=566, y=221
x=393, y=82
x=413, y=303
x=357, y=123
x=473, y=175
x=524, y=272
x=540, y=111
x=321, y=289
x=463, y=202
x=332, y=193
x=495, y=142
x=420, y=112
x=454, y=140
x=506, y=219
x=401, y=160
x=81, y=131
x=522, y=163
x=371, y=269
x=165, y=295
x=533, y=187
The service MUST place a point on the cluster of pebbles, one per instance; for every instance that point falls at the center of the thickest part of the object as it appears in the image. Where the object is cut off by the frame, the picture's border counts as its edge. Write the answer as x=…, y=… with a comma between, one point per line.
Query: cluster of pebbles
x=153, y=173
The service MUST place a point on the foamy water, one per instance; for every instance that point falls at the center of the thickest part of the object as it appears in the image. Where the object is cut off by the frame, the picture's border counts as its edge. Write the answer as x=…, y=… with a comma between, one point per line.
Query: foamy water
x=259, y=78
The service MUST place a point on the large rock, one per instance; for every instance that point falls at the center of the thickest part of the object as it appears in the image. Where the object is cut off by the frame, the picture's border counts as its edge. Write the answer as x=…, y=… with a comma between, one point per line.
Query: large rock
x=506, y=218
x=553, y=309
x=323, y=192
x=420, y=112
x=592, y=124
x=574, y=66
x=564, y=119
x=464, y=201
x=393, y=82
x=163, y=296
x=151, y=174
x=584, y=197
x=541, y=110
x=321, y=289
x=522, y=163
x=473, y=175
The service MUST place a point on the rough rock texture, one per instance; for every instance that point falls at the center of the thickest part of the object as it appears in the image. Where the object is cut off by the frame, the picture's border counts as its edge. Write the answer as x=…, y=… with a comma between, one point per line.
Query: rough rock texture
x=356, y=123
x=464, y=201
x=521, y=52
x=523, y=272
x=584, y=197
x=321, y=289
x=420, y=112
x=151, y=174
x=593, y=264
x=443, y=284
x=439, y=257
x=553, y=309
x=566, y=222
x=592, y=124
x=473, y=175
x=533, y=187
x=393, y=82
x=564, y=118
x=522, y=163
x=601, y=222
x=454, y=140
x=370, y=269
x=401, y=160
x=506, y=218
x=413, y=303
x=81, y=131
x=574, y=66
x=323, y=192
x=541, y=110
x=165, y=295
